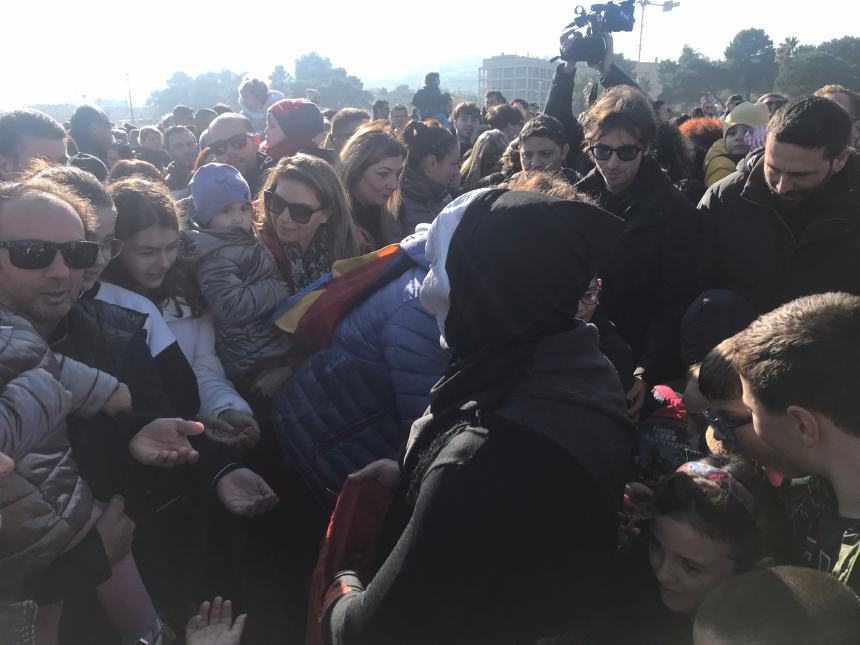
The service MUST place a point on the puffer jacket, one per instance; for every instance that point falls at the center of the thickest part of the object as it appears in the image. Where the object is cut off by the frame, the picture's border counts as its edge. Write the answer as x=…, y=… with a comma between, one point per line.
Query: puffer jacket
x=242, y=288
x=354, y=401
x=718, y=163
x=44, y=503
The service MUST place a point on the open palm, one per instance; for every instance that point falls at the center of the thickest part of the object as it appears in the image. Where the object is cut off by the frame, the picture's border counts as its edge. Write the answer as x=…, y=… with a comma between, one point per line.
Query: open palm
x=213, y=625
x=164, y=443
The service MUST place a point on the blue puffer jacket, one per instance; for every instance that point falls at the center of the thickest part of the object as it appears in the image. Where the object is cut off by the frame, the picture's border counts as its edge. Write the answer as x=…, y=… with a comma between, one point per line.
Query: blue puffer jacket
x=354, y=401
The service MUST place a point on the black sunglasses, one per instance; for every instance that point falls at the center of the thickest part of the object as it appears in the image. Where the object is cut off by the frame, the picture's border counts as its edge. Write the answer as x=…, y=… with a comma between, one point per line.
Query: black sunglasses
x=299, y=213
x=237, y=142
x=603, y=152
x=38, y=254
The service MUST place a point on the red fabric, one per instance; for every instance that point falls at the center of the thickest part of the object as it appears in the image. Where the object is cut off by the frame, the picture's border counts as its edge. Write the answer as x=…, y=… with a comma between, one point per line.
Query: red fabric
x=316, y=327
x=674, y=408
x=350, y=545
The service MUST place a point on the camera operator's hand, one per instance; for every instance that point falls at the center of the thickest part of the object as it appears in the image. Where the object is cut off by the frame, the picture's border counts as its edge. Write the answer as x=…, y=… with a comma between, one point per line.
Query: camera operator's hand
x=606, y=63
x=568, y=36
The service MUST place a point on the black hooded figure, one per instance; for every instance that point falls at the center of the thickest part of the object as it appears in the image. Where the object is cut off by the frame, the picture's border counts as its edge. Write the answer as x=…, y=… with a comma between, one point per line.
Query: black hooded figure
x=506, y=524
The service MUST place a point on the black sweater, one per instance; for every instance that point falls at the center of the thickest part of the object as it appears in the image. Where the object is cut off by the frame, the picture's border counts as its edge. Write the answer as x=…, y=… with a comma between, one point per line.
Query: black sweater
x=497, y=550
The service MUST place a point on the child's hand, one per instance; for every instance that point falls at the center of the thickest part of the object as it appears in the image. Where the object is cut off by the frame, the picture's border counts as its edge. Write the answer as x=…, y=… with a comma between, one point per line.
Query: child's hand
x=232, y=428
x=119, y=402
x=214, y=625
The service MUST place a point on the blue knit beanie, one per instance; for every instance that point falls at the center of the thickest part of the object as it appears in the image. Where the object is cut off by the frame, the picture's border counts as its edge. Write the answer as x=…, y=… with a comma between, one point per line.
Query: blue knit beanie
x=215, y=186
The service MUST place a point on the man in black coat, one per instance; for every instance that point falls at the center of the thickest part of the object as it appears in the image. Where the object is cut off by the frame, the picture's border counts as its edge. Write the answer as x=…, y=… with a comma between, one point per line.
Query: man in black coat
x=787, y=224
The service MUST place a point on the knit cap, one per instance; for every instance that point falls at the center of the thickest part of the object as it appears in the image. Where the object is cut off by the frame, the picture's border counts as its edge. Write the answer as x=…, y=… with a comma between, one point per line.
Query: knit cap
x=298, y=117
x=215, y=186
x=751, y=114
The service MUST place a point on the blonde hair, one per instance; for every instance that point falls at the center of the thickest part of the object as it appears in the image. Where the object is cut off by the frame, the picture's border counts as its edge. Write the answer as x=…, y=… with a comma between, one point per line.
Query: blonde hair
x=490, y=145
x=321, y=178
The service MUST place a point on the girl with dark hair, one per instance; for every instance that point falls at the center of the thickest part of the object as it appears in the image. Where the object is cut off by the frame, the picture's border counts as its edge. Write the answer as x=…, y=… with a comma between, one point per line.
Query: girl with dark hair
x=432, y=172
x=149, y=265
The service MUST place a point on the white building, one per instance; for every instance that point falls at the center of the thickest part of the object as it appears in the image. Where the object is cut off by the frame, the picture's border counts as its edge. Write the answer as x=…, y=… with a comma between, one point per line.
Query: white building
x=517, y=77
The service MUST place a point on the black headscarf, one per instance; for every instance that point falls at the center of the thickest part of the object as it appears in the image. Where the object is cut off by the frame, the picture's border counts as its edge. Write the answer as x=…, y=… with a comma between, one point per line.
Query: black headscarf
x=517, y=266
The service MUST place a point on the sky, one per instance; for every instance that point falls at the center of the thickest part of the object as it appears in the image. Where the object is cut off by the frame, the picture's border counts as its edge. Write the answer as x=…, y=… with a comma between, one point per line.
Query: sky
x=71, y=52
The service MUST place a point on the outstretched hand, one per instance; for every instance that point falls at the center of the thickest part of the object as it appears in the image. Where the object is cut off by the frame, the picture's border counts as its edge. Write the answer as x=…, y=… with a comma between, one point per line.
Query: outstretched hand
x=214, y=625
x=164, y=443
x=243, y=492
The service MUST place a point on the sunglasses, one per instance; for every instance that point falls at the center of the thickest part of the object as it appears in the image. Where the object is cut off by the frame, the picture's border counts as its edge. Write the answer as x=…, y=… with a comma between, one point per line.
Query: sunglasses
x=237, y=142
x=774, y=105
x=603, y=152
x=299, y=213
x=725, y=429
x=37, y=254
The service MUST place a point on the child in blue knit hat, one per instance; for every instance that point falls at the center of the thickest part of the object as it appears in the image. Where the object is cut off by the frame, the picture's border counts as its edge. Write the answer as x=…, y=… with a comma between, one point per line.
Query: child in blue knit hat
x=238, y=279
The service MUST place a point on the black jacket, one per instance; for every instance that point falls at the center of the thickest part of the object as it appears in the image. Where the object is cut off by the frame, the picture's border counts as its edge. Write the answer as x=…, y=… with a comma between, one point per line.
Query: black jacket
x=510, y=527
x=559, y=104
x=771, y=254
x=652, y=274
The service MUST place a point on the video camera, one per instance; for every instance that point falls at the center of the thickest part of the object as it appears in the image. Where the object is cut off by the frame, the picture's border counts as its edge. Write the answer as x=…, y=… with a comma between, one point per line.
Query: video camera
x=601, y=20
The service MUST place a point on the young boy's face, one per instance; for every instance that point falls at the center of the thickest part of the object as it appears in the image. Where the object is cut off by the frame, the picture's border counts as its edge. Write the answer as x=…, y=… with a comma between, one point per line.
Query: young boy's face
x=541, y=153
x=237, y=214
x=735, y=144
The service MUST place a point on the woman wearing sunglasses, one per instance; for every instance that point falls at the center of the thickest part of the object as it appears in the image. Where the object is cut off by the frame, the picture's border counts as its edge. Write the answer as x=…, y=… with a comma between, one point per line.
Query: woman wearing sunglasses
x=308, y=224
x=651, y=276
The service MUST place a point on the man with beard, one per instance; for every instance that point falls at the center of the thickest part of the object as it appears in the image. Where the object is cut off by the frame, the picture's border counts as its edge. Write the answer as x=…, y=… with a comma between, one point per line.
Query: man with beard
x=787, y=224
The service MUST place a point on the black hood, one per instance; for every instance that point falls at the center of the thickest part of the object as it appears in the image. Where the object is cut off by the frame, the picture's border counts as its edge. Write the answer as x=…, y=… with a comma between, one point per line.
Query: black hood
x=518, y=264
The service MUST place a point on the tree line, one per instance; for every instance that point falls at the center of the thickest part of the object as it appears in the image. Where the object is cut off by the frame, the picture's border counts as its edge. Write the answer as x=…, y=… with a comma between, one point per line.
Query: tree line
x=752, y=65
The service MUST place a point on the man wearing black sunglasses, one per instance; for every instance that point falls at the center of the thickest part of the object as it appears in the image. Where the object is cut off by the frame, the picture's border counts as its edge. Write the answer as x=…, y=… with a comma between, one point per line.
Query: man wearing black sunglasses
x=232, y=141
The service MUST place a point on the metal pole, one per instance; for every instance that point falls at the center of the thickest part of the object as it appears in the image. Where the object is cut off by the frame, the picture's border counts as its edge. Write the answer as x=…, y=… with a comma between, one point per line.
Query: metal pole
x=643, y=4
x=130, y=104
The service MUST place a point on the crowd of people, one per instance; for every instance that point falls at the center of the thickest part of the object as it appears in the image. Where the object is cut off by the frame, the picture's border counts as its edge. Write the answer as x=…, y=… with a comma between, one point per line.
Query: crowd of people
x=465, y=374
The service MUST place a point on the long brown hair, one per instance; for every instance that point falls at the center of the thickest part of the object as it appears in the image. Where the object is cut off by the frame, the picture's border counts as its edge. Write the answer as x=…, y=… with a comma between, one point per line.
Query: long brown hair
x=369, y=145
x=321, y=178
